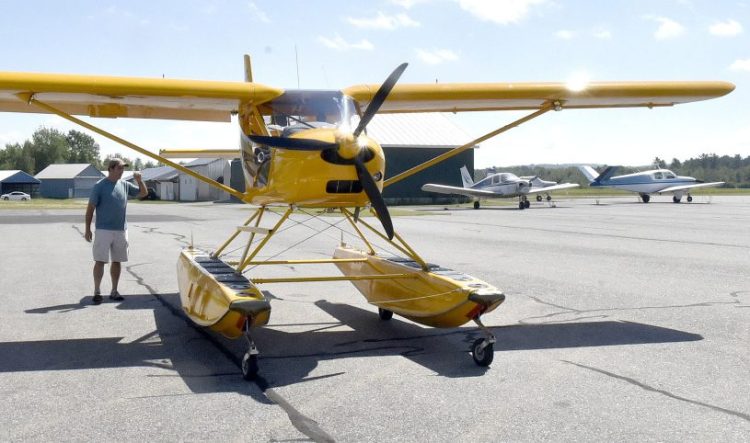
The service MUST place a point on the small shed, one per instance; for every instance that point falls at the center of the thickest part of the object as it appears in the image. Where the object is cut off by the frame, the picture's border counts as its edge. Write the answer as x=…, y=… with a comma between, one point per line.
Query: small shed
x=17, y=180
x=191, y=189
x=411, y=139
x=73, y=180
x=164, y=180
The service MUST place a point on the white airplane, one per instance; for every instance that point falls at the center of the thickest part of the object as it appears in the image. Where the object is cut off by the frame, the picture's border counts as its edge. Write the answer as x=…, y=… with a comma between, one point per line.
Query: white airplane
x=656, y=181
x=501, y=185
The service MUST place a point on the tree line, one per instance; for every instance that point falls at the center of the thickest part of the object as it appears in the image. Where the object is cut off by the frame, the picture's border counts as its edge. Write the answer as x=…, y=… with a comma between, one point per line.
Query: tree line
x=49, y=146
x=734, y=170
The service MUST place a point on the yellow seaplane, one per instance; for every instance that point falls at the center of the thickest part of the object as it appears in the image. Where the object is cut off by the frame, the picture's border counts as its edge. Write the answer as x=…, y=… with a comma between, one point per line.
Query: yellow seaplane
x=310, y=149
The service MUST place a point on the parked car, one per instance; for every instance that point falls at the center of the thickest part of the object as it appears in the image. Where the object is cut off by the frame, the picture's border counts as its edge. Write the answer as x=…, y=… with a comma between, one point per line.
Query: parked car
x=16, y=195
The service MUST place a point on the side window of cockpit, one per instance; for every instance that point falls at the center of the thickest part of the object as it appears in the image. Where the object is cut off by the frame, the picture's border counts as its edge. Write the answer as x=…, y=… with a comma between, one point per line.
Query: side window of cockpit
x=669, y=175
x=495, y=179
x=658, y=175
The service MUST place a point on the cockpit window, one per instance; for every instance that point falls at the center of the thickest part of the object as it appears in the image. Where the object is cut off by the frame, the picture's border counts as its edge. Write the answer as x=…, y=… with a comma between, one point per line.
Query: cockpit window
x=669, y=175
x=307, y=109
x=658, y=175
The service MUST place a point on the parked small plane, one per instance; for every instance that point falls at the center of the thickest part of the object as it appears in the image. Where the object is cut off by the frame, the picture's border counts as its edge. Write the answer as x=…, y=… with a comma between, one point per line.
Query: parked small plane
x=309, y=149
x=655, y=181
x=501, y=185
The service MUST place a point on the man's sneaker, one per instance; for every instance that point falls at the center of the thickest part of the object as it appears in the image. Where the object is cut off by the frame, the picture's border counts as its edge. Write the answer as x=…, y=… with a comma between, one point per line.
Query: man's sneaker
x=97, y=298
x=115, y=296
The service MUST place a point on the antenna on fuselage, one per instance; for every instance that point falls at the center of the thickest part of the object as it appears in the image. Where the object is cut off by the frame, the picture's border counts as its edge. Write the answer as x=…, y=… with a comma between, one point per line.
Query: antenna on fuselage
x=296, y=62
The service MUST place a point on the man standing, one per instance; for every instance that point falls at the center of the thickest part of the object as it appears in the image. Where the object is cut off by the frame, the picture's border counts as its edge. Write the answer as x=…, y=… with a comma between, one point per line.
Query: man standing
x=109, y=198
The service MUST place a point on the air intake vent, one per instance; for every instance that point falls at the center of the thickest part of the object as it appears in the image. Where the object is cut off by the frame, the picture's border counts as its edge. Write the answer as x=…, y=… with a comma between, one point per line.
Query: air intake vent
x=344, y=187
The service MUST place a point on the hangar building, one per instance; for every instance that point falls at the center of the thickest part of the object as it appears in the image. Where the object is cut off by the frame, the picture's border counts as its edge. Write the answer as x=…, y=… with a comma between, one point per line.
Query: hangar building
x=411, y=139
x=17, y=180
x=73, y=180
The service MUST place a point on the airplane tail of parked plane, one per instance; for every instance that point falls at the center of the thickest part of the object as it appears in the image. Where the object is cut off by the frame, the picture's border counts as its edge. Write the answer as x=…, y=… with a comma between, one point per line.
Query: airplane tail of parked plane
x=594, y=177
x=466, y=177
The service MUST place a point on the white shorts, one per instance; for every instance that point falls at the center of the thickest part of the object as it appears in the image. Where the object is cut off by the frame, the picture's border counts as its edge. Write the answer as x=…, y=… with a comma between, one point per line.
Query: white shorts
x=115, y=242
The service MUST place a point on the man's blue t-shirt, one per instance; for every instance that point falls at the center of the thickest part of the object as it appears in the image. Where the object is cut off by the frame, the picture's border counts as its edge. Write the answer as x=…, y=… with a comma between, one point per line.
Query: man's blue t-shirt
x=110, y=200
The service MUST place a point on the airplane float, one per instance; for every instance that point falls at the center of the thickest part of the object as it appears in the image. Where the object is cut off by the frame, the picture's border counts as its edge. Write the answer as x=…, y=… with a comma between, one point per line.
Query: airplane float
x=501, y=185
x=310, y=149
x=655, y=181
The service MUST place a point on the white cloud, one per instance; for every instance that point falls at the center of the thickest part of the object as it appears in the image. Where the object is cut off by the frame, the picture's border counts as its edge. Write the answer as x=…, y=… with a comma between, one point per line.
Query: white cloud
x=340, y=44
x=258, y=13
x=668, y=28
x=408, y=4
x=741, y=65
x=564, y=34
x=499, y=11
x=729, y=28
x=382, y=21
x=436, y=56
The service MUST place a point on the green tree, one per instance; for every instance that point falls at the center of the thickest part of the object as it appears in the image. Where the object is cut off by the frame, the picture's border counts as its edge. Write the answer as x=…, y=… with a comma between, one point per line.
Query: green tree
x=82, y=148
x=48, y=146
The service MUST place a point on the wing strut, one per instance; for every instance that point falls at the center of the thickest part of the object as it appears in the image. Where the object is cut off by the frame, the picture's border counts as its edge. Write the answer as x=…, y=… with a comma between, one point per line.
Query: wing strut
x=136, y=148
x=453, y=152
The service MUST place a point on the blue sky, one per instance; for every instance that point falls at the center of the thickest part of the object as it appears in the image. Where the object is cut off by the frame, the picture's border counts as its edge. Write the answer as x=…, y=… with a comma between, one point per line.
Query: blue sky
x=341, y=43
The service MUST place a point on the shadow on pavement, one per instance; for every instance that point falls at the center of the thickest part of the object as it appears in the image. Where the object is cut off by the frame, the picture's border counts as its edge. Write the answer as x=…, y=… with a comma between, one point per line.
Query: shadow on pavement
x=290, y=357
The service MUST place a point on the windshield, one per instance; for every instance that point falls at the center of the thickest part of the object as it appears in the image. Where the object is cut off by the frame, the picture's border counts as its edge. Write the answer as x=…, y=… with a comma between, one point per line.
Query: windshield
x=305, y=109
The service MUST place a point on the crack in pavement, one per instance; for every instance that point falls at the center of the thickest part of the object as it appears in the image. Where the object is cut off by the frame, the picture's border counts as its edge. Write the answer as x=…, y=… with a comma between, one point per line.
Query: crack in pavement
x=179, y=238
x=649, y=388
x=302, y=423
x=567, y=310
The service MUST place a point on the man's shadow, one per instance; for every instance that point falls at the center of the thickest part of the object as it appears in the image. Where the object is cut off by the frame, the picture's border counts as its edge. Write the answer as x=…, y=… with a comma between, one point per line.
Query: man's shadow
x=291, y=357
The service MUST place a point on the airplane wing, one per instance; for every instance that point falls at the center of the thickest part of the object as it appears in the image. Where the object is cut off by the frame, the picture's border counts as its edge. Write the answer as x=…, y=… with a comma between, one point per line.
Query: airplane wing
x=553, y=188
x=112, y=97
x=458, y=97
x=697, y=185
x=445, y=189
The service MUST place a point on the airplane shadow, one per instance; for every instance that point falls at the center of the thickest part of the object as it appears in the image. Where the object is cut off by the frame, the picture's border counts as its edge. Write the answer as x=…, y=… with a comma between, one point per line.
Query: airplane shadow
x=290, y=357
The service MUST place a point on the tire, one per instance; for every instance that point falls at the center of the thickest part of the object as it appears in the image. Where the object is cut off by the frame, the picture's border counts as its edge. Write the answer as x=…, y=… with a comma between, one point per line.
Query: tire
x=476, y=205
x=538, y=198
x=549, y=198
x=526, y=204
x=675, y=199
x=23, y=199
x=482, y=357
x=249, y=366
x=690, y=199
x=385, y=314
x=645, y=198
x=520, y=205
x=6, y=198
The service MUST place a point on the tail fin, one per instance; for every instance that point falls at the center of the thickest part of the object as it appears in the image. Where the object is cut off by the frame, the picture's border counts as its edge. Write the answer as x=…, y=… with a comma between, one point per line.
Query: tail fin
x=595, y=178
x=466, y=177
x=589, y=172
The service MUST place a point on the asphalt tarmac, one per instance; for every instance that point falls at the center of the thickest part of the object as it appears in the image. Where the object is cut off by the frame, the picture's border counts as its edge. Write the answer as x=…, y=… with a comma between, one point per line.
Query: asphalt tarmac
x=623, y=322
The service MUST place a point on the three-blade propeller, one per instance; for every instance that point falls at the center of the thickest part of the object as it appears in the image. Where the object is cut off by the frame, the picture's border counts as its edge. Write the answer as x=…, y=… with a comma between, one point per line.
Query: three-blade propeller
x=368, y=183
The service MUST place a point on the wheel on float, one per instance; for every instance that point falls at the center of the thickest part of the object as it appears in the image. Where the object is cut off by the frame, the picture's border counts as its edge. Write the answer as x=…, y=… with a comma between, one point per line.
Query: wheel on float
x=249, y=366
x=482, y=356
x=385, y=314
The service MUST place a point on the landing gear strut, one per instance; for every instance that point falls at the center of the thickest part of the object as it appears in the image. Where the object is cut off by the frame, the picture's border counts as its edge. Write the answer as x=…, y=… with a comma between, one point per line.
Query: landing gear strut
x=483, y=350
x=250, y=359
